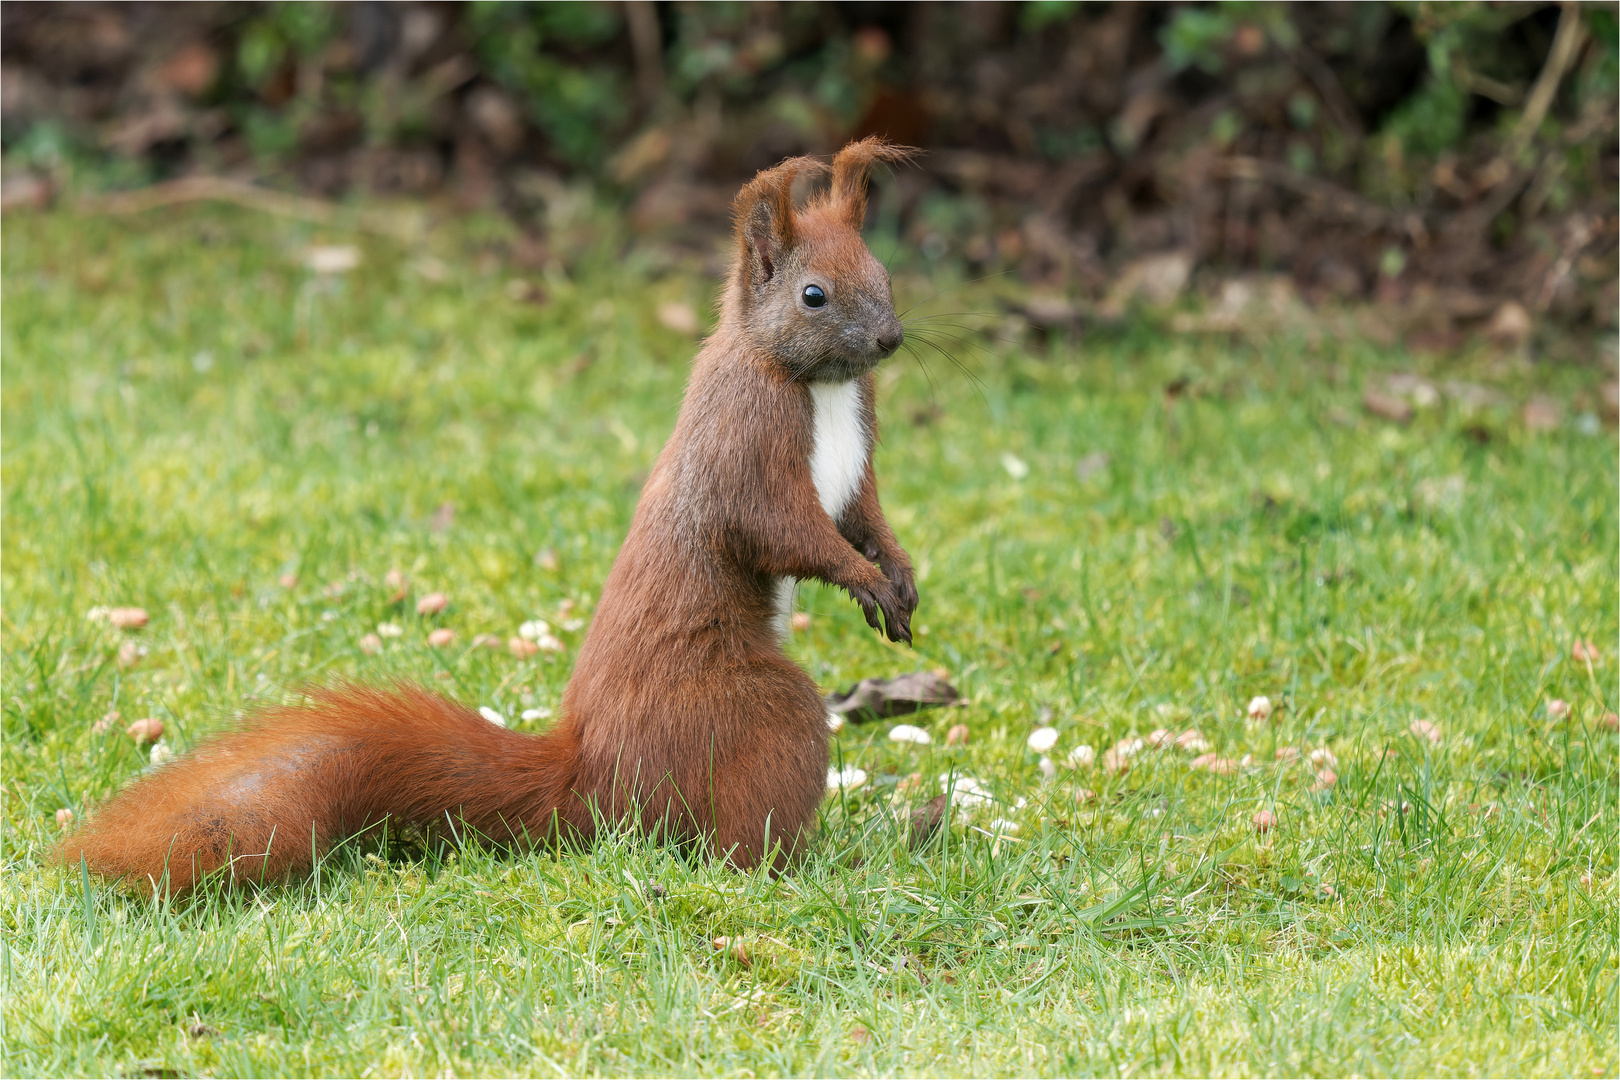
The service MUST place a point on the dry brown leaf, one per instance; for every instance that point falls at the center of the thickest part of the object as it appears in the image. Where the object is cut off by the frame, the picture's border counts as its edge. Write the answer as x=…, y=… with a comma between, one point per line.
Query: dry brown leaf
x=874, y=699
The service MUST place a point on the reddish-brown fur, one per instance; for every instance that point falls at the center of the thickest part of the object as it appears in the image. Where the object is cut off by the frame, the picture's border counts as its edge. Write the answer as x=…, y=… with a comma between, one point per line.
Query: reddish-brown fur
x=684, y=716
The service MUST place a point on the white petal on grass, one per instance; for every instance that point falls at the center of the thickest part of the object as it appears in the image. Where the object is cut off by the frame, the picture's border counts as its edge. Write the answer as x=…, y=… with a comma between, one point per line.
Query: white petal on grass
x=534, y=630
x=492, y=716
x=1048, y=770
x=537, y=714
x=1016, y=467
x=835, y=723
x=909, y=734
x=1192, y=742
x=161, y=753
x=389, y=629
x=1081, y=757
x=965, y=791
x=849, y=778
x=1260, y=707
x=1043, y=739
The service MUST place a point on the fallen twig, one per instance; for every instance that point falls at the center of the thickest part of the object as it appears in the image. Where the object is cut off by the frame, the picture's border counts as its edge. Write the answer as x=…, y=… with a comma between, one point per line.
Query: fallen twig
x=247, y=195
x=1346, y=202
x=1566, y=46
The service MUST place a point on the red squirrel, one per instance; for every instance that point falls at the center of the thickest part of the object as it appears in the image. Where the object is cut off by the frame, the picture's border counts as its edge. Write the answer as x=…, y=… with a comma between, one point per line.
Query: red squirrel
x=684, y=716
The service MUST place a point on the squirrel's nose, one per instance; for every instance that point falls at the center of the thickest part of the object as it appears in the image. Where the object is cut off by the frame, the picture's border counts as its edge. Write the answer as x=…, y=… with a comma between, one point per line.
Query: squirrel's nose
x=890, y=340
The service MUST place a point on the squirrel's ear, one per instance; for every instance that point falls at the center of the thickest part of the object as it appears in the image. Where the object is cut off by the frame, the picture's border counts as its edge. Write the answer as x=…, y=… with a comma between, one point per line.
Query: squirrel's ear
x=847, y=197
x=766, y=225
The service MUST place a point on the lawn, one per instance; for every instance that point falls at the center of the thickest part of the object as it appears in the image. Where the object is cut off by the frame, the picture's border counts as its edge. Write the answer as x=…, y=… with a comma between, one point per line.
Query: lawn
x=197, y=424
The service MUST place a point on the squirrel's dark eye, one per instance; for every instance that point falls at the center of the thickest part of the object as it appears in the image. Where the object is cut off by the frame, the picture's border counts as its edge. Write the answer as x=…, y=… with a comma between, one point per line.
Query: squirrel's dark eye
x=813, y=296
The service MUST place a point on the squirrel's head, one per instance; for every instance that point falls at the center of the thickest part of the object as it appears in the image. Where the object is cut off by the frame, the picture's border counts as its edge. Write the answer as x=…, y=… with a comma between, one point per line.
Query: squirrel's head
x=805, y=289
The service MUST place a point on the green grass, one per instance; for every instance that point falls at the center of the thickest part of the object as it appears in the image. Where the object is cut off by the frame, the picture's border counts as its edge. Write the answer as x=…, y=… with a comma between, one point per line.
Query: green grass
x=189, y=416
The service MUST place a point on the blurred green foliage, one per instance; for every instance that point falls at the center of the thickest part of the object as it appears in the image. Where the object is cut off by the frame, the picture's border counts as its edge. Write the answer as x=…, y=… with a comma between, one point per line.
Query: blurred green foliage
x=1073, y=133
x=531, y=50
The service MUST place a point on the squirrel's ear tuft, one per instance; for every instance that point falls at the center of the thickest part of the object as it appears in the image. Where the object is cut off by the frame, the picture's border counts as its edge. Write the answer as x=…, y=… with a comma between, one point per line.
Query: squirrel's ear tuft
x=766, y=226
x=847, y=197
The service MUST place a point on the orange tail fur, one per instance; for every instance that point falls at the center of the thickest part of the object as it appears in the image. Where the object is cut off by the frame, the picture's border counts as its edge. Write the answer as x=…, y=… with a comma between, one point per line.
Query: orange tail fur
x=266, y=800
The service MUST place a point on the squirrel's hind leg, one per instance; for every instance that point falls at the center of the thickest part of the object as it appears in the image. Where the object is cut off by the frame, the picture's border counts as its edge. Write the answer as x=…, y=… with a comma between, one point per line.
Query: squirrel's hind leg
x=767, y=791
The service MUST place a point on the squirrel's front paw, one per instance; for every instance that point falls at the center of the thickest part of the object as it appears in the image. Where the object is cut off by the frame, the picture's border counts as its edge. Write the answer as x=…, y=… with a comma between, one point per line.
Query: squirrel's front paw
x=881, y=598
x=897, y=601
x=905, y=590
x=867, y=595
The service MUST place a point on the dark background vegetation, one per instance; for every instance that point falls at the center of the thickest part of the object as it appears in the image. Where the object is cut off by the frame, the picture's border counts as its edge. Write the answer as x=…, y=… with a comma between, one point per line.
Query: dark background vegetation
x=1447, y=158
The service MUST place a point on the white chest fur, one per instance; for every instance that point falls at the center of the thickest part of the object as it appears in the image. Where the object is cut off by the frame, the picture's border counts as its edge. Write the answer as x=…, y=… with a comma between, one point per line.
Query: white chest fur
x=837, y=464
x=838, y=461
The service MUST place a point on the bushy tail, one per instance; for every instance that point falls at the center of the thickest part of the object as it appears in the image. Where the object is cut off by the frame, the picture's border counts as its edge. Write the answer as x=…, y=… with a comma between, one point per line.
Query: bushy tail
x=266, y=800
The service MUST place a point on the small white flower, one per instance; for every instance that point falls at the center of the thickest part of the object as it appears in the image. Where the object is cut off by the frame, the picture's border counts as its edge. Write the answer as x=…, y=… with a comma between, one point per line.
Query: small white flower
x=537, y=714
x=1016, y=467
x=835, y=722
x=907, y=733
x=1081, y=757
x=572, y=625
x=965, y=791
x=98, y=613
x=1129, y=746
x=1322, y=758
x=534, y=630
x=1260, y=708
x=389, y=629
x=1003, y=825
x=549, y=643
x=492, y=716
x=1048, y=770
x=1192, y=742
x=161, y=753
x=1043, y=739
x=849, y=778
